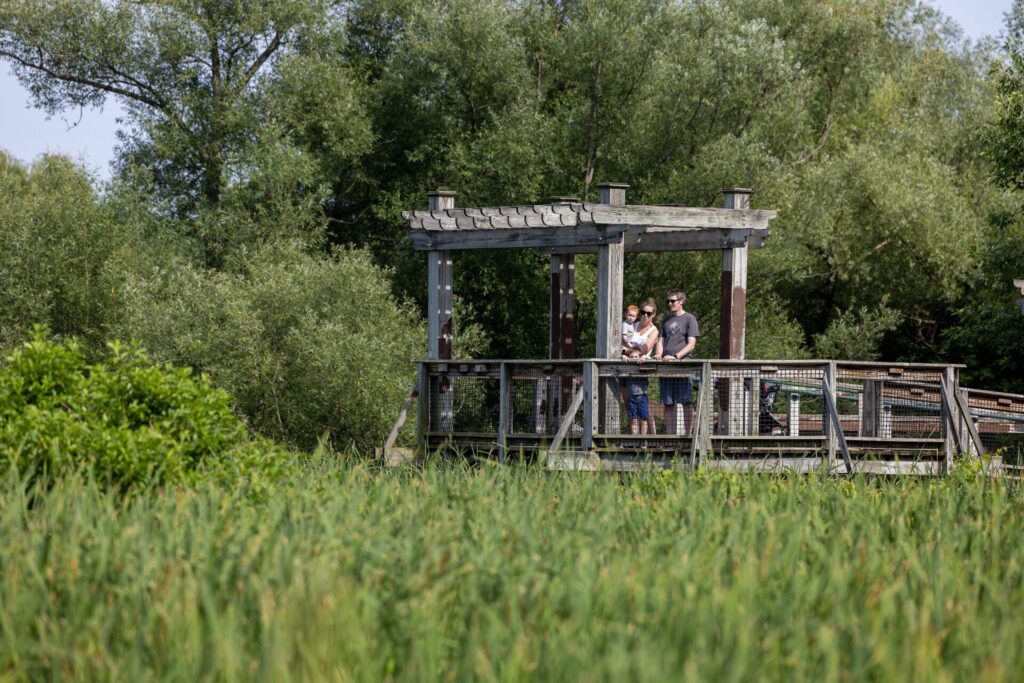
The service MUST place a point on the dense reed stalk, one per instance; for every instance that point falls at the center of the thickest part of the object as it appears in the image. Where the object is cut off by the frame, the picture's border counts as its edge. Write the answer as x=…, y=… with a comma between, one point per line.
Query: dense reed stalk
x=459, y=573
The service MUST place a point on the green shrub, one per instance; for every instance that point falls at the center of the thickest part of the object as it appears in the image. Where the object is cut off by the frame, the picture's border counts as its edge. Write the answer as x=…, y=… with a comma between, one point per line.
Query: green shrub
x=62, y=254
x=125, y=420
x=305, y=344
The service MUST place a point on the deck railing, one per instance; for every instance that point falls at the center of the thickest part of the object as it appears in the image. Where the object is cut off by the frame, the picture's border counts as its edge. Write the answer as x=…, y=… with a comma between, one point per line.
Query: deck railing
x=877, y=417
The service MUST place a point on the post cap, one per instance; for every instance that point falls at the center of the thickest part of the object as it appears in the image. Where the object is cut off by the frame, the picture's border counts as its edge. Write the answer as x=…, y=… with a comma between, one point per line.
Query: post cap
x=442, y=192
x=616, y=186
x=563, y=199
x=737, y=190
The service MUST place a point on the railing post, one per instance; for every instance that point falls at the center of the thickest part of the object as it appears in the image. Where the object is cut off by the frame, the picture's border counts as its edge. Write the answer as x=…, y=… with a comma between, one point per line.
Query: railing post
x=704, y=424
x=504, y=394
x=830, y=432
x=426, y=397
x=949, y=423
x=590, y=409
x=793, y=414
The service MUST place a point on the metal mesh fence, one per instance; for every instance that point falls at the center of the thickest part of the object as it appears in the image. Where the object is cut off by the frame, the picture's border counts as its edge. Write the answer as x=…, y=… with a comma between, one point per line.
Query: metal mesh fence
x=745, y=407
x=999, y=419
x=767, y=400
x=540, y=395
x=889, y=402
x=632, y=396
x=463, y=397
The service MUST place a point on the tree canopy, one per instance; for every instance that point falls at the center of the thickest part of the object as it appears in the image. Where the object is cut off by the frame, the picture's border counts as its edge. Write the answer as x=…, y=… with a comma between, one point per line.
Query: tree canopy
x=261, y=138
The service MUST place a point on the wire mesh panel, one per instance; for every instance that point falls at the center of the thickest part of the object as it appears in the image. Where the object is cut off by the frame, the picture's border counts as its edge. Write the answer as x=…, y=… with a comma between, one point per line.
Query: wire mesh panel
x=540, y=395
x=463, y=397
x=752, y=399
x=632, y=398
x=999, y=419
x=889, y=402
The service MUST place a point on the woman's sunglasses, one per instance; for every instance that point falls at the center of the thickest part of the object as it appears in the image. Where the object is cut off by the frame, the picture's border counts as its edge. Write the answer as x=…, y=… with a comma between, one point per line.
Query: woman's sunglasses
x=646, y=313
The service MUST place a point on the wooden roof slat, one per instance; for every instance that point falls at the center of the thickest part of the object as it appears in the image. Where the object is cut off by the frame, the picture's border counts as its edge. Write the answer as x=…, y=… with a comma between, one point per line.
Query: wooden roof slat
x=544, y=226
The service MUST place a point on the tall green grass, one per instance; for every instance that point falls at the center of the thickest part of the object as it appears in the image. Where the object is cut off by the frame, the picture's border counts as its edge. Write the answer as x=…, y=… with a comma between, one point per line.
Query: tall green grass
x=456, y=573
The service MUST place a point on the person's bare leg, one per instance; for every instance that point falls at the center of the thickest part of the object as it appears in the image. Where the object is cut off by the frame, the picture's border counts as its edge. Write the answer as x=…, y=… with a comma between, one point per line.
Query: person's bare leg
x=687, y=418
x=670, y=418
x=651, y=429
x=643, y=425
x=634, y=426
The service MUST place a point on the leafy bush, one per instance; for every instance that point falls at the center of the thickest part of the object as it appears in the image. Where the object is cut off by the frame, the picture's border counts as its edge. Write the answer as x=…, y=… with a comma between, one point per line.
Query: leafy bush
x=125, y=420
x=305, y=344
x=61, y=252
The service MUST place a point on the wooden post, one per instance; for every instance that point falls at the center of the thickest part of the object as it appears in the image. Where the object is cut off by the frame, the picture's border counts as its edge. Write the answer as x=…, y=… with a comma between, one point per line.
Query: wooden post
x=733, y=318
x=439, y=288
x=950, y=423
x=590, y=410
x=734, y=286
x=828, y=390
x=504, y=410
x=439, y=314
x=563, y=299
x=609, y=282
x=562, y=323
x=873, y=422
x=422, y=410
x=609, y=307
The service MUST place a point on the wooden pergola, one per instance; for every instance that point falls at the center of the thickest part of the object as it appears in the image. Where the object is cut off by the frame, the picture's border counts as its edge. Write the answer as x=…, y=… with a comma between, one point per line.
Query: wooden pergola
x=564, y=227
x=886, y=418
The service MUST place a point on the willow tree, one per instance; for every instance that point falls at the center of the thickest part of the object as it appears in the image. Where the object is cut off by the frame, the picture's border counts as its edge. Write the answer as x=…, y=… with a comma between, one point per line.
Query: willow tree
x=187, y=72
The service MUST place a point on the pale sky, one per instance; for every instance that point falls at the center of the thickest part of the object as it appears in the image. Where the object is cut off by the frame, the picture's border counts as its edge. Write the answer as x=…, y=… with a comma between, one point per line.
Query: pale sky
x=89, y=138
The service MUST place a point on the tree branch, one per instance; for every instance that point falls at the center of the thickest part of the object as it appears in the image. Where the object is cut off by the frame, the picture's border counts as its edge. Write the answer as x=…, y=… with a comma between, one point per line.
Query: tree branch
x=261, y=60
x=80, y=80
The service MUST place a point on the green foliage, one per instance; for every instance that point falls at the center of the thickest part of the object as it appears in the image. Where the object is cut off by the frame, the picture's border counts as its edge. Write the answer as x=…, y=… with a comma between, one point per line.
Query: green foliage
x=856, y=335
x=124, y=420
x=61, y=254
x=305, y=345
x=514, y=574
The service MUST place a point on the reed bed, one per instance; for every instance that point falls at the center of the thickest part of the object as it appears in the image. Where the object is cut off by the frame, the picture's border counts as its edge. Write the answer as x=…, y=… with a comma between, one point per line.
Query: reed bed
x=458, y=573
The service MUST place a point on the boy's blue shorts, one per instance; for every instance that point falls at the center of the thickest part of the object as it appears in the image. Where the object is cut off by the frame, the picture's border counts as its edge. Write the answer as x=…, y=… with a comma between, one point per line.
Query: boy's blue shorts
x=637, y=407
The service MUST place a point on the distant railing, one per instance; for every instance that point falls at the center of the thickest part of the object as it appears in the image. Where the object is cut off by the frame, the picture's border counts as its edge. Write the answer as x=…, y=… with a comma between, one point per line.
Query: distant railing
x=883, y=417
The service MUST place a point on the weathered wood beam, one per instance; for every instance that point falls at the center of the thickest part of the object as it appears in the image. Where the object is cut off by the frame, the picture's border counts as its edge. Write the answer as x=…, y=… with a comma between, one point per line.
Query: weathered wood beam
x=456, y=240
x=969, y=423
x=659, y=238
x=836, y=424
x=681, y=217
x=567, y=421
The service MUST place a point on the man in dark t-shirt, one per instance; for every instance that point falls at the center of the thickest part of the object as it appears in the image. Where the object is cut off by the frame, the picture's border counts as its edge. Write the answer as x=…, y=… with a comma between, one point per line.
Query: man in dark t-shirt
x=679, y=334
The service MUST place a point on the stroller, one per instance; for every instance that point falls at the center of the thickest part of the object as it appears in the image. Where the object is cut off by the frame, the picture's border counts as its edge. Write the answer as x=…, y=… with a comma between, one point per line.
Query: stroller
x=766, y=422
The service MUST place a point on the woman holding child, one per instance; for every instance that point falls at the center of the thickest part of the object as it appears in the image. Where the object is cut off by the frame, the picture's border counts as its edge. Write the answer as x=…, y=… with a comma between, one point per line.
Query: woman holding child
x=638, y=346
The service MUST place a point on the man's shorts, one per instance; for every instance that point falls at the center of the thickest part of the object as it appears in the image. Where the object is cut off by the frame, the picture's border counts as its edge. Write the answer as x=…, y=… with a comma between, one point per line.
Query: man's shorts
x=675, y=390
x=637, y=407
